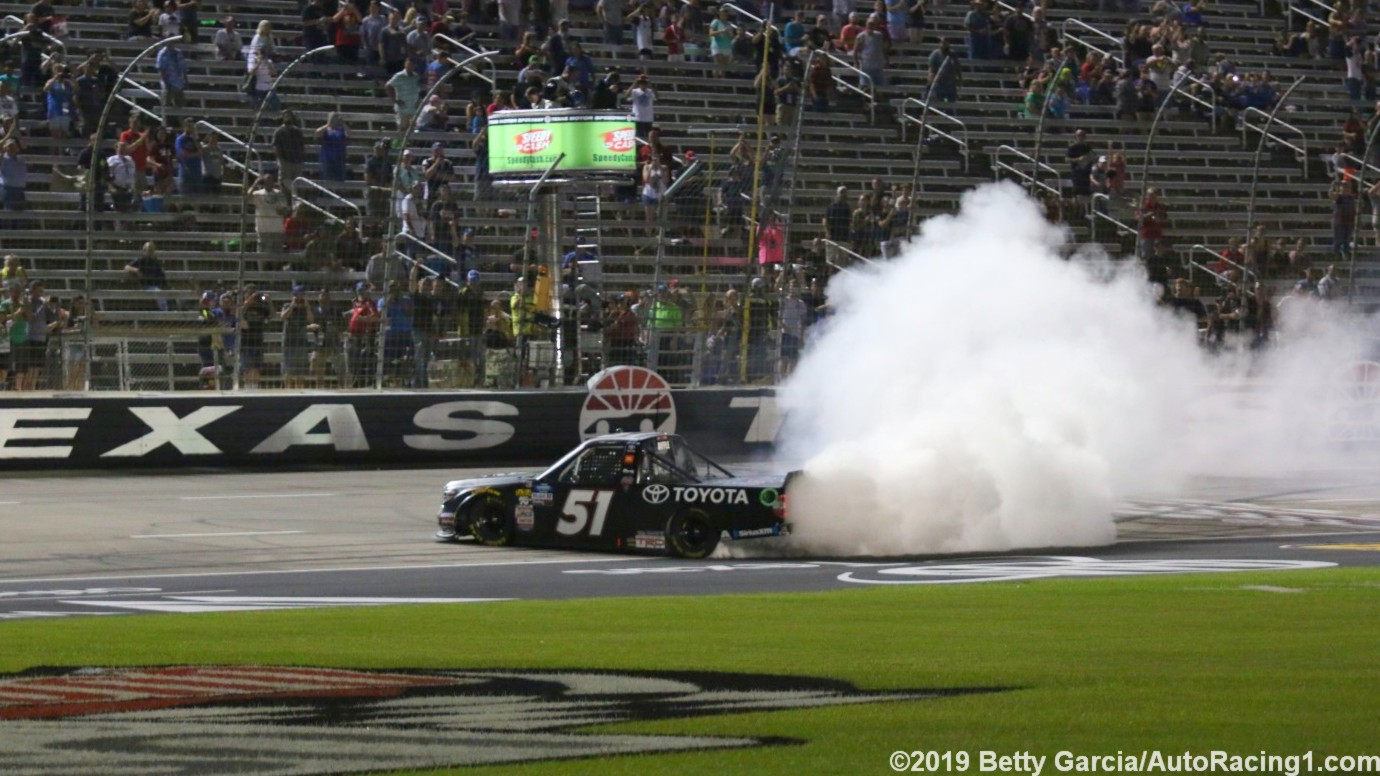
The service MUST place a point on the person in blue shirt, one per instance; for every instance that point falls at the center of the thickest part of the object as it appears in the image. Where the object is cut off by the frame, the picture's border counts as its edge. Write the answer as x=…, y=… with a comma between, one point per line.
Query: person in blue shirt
x=335, y=139
x=172, y=71
x=188, y=147
x=794, y=35
x=60, y=91
x=579, y=69
x=395, y=307
x=570, y=265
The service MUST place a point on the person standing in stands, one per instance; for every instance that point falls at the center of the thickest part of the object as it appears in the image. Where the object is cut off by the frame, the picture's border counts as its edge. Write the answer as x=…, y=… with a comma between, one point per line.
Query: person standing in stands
x=427, y=314
x=299, y=324
x=326, y=354
x=14, y=177
x=392, y=46
x=334, y=137
x=370, y=29
x=405, y=90
x=348, y=37
x=869, y=54
x=314, y=22
x=611, y=13
x=289, y=147
x=253, y=324
x=61, y=92
x=270, y=208
x=172, y=72
x=189, y=158
x=642, y=97
x=123, y=178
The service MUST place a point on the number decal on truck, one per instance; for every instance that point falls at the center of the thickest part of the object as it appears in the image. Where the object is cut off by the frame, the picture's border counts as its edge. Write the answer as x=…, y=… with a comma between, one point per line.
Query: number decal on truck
x=584, y=507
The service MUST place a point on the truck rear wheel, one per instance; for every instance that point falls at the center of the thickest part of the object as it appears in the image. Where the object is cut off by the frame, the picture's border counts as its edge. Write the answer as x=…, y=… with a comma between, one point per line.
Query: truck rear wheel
x=691, y=534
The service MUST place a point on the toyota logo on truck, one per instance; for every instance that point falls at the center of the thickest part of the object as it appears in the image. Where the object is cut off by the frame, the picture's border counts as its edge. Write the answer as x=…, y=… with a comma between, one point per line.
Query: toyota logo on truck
x=533, y=141
x=620, y=139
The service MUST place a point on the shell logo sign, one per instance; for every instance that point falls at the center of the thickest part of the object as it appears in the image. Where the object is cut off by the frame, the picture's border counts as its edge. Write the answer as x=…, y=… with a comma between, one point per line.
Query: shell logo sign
x=620, y=139
x=533, y=141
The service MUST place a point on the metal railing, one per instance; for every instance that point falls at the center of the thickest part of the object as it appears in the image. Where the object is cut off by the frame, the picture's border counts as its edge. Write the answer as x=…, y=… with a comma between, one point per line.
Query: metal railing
x=961, y=139
x=1219, y=277
x=849, y=251
x=998, y=166
x=429, y=249
x=232, y=161
x=1292, y=8
x=869, y=93
x=12, y=35
x=1094, y=215
x=1013, y=9
x=1110, y=53
x=1300, y=151
x=331, y=194
x=1200, y=248
x=492, y=77
x=419, y=263
x=1210, y=104
x=1363, y=164
x=748, y=14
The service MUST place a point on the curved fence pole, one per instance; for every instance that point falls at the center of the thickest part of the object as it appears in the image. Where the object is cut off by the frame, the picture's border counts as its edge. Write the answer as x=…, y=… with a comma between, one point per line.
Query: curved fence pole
x=402, y=141
x=1044, y=110
x=1255, y=170
x=250, y=150
x=1174, y=87
x=91, y=194
x=1360, y=189
x=920, y=139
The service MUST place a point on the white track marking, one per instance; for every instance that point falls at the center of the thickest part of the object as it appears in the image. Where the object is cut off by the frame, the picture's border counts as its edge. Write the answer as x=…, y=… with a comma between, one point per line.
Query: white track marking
x=257, y=495
x=342, y=569
x=224, y=533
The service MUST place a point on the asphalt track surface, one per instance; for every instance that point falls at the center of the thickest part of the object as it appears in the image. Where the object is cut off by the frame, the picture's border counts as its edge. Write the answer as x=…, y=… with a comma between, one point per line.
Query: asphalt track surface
x=127, y=543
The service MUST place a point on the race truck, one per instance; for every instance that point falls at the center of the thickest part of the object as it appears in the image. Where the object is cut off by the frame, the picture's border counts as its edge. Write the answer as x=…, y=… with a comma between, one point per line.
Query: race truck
x=644, y=491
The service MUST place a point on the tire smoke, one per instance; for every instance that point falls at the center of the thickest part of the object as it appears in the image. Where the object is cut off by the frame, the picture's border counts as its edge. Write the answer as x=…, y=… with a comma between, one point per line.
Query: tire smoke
x=983, y=393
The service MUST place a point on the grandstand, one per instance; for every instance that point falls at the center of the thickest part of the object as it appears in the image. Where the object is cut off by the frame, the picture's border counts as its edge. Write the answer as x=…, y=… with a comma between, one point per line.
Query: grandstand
x=1204, y=168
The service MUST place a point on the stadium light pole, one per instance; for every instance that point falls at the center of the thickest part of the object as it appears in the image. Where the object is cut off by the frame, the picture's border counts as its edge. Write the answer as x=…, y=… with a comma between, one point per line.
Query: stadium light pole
x=920, y=137
x=401, y=143
x=1360, y=190
x=527, y=260
x=249, y=151
x=1040, y=126
x=1174, y=86
x=91, y=194
x=1255, y=168
x=764, y=73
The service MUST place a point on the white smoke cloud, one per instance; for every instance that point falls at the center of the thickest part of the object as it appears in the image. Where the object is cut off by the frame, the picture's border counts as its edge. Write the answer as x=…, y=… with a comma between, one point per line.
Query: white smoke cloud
x=982, y=393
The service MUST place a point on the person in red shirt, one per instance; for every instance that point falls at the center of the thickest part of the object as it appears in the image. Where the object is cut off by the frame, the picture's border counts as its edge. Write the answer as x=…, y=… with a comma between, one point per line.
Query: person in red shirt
x=674, y=38
x=1154, y=217
x=850, y=32
x=136, y=142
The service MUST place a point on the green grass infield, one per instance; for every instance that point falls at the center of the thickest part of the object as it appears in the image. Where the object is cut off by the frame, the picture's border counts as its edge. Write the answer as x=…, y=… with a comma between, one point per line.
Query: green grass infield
x=1281, y=662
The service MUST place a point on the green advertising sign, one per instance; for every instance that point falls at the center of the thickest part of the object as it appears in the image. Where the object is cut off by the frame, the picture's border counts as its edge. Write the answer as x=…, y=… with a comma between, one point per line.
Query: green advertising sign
x=527, y=142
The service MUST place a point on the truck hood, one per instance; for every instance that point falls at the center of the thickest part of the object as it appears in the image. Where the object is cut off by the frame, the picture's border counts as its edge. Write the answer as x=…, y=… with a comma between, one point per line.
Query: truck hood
x=491, y=481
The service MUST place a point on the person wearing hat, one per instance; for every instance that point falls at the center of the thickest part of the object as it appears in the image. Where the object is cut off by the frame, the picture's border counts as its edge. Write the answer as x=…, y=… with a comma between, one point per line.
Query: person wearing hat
x=469, y=316
x=270, y=208
x=532, y=73
x=642, y=98
x=205, y=344
x=405, y=90
x=437, y=173
x=299, y=323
